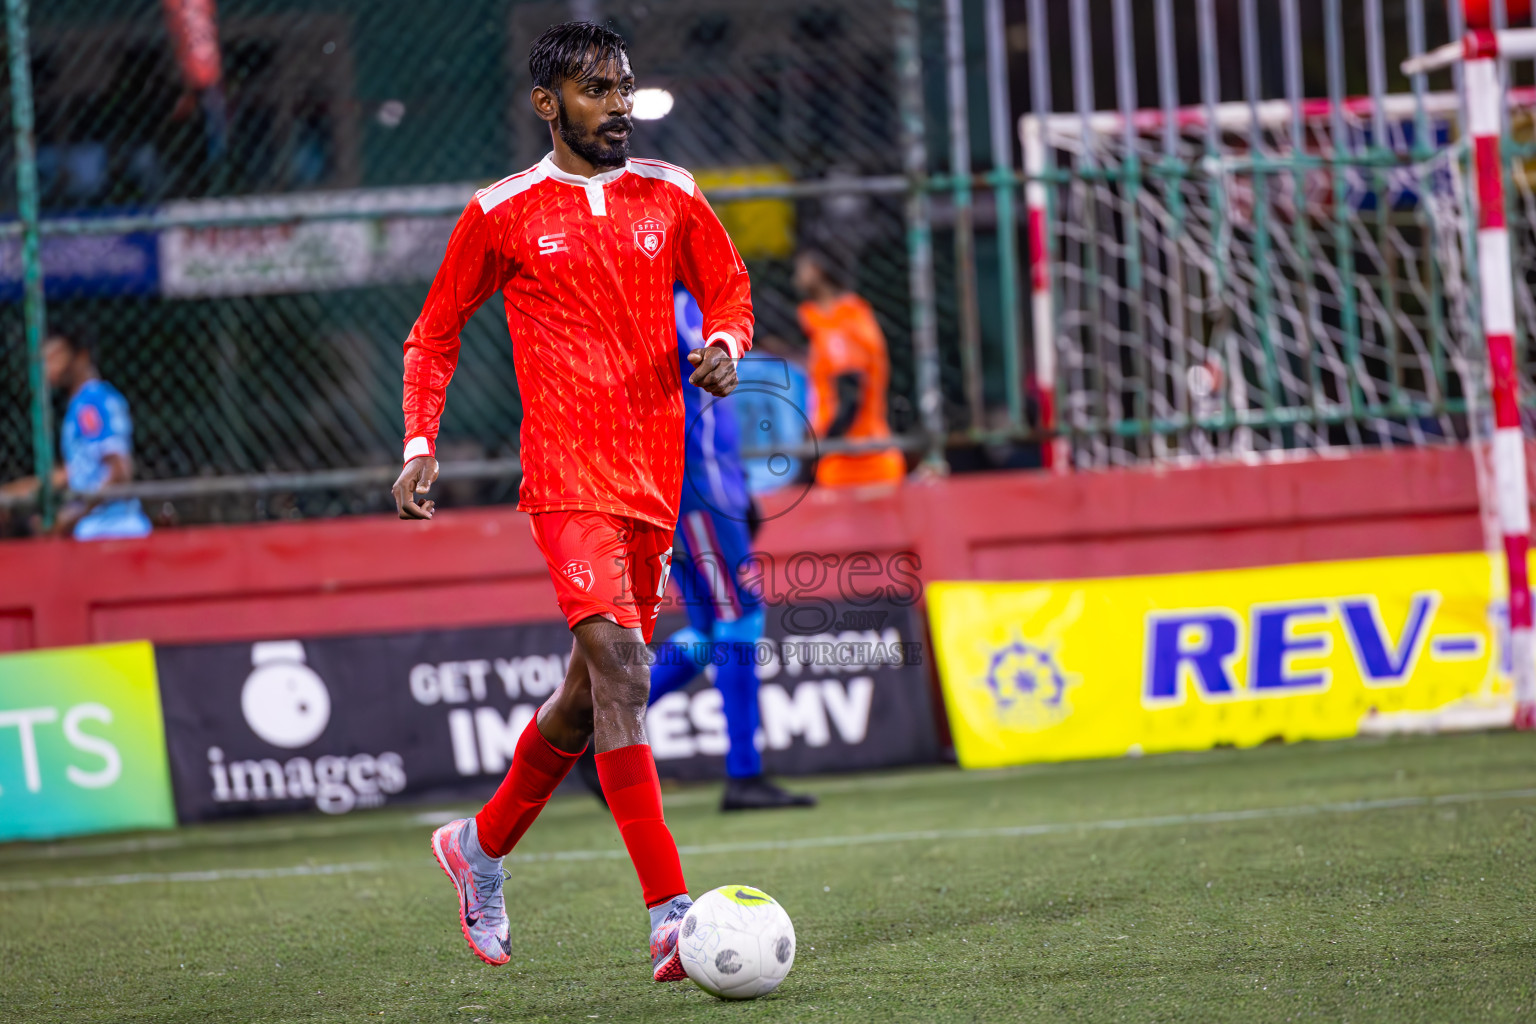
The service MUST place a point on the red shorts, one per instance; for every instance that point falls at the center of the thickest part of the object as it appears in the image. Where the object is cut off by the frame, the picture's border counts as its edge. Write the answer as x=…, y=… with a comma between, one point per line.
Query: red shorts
x=605, y=565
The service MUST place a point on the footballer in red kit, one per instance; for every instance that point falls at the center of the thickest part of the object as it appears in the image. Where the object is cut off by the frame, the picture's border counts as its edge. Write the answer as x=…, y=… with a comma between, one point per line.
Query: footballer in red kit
x=584, y=247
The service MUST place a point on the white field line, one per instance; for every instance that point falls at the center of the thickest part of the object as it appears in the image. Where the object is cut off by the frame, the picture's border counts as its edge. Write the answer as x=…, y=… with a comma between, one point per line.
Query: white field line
x=1054, y=828
x=823, y=842
x=437, y=818
x=583, y=803
x=222, y=875
x=575, y=804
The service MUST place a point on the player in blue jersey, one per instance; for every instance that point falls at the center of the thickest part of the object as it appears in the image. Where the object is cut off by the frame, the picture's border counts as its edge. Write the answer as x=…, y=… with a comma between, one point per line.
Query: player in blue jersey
x=714, y=536
x=96, y=443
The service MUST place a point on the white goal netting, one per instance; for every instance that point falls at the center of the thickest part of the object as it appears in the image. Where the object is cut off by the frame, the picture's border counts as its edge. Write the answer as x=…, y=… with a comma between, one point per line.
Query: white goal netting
x=1251, y=281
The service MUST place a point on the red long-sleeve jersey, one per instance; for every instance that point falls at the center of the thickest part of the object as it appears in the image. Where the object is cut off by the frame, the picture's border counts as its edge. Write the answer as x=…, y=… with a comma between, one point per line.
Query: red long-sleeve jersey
x=585, y=267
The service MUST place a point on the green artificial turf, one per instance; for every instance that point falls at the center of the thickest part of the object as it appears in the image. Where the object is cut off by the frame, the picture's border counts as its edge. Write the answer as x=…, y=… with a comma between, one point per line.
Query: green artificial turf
x=1106, y=891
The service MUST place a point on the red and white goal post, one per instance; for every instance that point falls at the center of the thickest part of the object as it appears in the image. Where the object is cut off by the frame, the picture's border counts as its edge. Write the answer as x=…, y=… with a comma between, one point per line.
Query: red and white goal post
x=1479, y=54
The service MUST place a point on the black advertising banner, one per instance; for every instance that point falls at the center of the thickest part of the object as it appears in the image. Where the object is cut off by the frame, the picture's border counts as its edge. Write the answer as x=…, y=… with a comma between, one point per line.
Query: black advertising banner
x=345, y=722
x=853, y=698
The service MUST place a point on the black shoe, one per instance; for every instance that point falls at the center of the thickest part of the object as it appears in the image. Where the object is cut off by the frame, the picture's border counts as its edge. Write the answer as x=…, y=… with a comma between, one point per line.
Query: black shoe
x=758, y=794
x=586, y=767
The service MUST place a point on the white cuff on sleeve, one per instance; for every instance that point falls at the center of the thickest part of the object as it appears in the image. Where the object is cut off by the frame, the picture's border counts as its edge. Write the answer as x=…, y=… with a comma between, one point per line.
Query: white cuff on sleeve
x=730, y=344
x=417, y=447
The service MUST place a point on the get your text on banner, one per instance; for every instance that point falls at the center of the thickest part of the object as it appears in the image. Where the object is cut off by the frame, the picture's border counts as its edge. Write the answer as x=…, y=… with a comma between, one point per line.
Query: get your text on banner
x=341, y=723
x=1051, y=671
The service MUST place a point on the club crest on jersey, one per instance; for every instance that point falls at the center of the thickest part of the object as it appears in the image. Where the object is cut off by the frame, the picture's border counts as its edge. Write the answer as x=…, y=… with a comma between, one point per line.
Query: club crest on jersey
x=579, y=573
x=650, y=236
x=90, y=421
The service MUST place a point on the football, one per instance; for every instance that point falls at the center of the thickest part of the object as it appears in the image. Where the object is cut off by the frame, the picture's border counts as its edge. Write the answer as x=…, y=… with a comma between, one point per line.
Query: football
x=737, y=942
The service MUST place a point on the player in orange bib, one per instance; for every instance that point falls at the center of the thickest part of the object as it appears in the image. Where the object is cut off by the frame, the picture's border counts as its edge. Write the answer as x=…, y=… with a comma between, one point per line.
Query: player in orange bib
x=585, y=248
x=850, y=371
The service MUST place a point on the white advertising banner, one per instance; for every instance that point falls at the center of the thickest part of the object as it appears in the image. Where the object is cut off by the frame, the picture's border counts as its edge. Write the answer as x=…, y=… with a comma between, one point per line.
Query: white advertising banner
x=321, y=242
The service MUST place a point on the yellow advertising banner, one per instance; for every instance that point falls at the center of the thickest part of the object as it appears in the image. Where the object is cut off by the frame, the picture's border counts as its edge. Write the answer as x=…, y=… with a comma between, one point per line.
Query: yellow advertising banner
x=761, y=228
x=1050, y=671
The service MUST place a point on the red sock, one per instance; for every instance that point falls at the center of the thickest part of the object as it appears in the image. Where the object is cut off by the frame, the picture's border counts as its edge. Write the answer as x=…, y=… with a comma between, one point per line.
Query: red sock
x=537, y=768
x=629, y=780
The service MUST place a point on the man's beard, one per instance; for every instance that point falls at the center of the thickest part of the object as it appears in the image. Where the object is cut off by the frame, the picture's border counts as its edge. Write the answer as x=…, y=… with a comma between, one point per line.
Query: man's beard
x=595, y=149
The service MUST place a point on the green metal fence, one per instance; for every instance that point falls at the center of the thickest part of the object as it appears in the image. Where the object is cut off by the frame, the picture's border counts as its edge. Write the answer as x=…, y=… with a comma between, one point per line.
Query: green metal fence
x=289, y=217
x=251, y=253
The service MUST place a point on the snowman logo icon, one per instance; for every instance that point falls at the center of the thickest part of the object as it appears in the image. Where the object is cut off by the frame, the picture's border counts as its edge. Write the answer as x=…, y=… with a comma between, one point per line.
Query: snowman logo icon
x=284, y=702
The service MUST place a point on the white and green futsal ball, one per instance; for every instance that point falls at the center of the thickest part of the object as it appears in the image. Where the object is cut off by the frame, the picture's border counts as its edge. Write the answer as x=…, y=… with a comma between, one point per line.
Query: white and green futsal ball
x=737, y=942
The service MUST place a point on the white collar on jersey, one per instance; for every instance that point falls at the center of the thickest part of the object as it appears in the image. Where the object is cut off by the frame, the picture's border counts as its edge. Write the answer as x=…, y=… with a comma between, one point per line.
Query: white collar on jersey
x=550, y=170
x=596, y=200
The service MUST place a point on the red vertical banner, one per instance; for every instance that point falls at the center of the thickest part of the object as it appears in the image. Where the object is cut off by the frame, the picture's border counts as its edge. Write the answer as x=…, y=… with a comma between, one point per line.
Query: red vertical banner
x=1479, y=13
x=194, y=29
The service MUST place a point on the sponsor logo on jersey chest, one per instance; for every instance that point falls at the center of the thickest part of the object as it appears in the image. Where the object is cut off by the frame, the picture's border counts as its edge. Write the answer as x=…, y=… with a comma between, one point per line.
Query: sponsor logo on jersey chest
x=650, y=236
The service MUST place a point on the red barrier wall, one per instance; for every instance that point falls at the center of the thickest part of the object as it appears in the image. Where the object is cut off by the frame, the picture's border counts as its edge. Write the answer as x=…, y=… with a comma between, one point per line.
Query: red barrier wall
x=480, y=567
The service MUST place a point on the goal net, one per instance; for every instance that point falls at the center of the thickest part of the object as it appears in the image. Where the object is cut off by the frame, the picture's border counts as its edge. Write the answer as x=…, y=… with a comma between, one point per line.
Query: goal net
x=1252, y=280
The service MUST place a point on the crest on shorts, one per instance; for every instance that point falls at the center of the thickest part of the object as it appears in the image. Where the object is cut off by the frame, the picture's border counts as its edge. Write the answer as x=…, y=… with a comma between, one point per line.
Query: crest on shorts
x=650, y=236
x=579, y=573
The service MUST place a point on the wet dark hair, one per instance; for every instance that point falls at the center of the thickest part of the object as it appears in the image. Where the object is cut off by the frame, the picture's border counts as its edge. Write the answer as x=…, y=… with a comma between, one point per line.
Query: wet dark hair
x=572, y=50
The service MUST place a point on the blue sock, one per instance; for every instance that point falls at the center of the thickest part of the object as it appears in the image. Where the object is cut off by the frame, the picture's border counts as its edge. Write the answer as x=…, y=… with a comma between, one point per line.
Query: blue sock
x=677, y=662
x=737, y=682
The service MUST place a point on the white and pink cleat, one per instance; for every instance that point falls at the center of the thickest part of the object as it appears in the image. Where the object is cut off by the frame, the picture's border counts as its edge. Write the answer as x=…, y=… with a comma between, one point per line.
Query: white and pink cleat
x=482, y=910
x=666, y=965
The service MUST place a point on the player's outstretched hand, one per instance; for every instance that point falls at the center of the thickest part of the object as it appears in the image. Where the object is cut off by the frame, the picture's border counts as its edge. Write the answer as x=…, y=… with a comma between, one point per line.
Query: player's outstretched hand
x=715, y=370
x=415, y=479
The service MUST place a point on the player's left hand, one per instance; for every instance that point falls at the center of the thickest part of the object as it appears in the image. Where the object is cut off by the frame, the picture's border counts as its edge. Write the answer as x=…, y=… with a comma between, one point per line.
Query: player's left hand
x=715, y=370
x=415, y=480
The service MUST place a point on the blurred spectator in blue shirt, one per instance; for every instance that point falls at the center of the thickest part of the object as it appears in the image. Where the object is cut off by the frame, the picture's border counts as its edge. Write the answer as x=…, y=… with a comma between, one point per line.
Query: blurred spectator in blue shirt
x=96, y=443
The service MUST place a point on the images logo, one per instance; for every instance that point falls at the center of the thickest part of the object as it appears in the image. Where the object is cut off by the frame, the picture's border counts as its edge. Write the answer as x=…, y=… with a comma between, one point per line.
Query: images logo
x=284, y=701
x=1028, y=687
x=286, y=704
x=769, y=407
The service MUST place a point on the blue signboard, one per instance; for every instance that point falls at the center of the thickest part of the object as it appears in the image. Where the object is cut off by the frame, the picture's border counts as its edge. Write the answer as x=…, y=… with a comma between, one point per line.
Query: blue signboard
x=86, y=265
